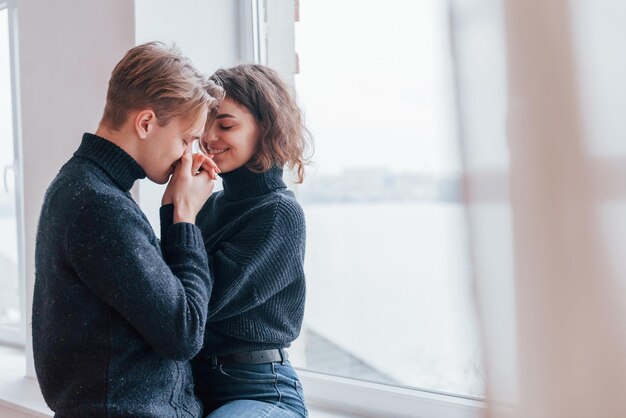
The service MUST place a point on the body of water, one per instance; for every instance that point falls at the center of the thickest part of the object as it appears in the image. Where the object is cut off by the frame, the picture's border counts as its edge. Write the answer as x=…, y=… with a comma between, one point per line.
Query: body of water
x=390, y=283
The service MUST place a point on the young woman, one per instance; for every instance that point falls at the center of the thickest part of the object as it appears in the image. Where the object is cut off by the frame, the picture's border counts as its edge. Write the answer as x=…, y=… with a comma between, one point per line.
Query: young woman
x=254, y=233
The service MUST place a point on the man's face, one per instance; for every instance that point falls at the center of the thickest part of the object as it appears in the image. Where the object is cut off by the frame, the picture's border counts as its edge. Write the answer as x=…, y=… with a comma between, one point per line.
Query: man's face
x=164, y=145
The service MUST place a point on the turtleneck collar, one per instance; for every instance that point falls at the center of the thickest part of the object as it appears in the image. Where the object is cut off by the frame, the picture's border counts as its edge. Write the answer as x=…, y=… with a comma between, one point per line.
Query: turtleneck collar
x=242, y=183
x=122, y=168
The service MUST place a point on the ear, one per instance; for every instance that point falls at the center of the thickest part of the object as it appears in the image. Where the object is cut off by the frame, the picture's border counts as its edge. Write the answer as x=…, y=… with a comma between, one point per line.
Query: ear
x=145, y=120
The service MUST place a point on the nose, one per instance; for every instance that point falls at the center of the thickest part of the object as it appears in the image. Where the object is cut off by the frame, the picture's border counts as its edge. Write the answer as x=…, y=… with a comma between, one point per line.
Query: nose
x=210, y=136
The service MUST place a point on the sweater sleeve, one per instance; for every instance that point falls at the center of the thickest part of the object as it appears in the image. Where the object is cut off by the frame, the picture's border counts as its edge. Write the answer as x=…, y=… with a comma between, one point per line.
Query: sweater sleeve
x=166, y=218
x=164, y=297
x=258, y=262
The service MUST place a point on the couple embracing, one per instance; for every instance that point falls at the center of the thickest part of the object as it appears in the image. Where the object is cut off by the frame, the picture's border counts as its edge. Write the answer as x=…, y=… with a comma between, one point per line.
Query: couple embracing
x=194, y=324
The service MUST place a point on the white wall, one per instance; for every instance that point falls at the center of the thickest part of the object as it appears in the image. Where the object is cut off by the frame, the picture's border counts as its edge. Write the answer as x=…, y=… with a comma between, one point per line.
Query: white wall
x=67, y=50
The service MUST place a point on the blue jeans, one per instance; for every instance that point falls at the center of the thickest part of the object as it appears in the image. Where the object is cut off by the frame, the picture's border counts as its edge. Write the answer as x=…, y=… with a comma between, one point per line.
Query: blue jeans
x=249, y=390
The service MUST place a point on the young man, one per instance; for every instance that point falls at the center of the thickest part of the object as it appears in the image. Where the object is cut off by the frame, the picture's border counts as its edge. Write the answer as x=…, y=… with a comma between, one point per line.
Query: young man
x=115, y=315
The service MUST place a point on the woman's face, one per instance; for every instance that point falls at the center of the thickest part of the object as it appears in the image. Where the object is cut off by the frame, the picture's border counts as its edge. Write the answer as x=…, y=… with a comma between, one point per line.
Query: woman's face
x=233, y=137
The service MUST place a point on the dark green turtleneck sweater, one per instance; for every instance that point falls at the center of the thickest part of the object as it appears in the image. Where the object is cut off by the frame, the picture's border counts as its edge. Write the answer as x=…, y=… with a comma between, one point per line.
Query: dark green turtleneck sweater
x=116, y=316
x=254, y=234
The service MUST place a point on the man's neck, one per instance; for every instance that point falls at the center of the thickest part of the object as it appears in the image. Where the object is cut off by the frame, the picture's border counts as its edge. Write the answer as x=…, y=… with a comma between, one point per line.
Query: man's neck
x=120, y=138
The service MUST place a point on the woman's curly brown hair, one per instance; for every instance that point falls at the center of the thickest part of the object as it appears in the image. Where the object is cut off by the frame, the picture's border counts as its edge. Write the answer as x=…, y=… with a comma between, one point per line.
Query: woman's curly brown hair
x=284, y=138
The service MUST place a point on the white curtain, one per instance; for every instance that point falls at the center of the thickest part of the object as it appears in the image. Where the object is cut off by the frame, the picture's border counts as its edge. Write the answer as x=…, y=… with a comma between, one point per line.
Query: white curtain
x=542, y=92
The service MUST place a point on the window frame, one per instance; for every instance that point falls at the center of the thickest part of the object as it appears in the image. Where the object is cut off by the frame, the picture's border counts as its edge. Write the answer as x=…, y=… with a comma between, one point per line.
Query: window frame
x=252, y=31
x=323, y=391
x=12, y=335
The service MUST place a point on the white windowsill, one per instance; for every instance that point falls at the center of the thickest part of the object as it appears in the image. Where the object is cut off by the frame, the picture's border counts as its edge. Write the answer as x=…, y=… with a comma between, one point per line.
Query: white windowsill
x=18, y=392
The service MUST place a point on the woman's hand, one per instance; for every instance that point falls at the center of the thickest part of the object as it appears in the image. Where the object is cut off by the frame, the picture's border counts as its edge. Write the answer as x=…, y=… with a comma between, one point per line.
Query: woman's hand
x=199, y=162
x=189, y=188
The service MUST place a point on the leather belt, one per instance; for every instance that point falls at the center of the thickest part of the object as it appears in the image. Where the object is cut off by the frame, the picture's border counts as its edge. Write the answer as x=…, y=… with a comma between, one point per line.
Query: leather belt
x=252, y=357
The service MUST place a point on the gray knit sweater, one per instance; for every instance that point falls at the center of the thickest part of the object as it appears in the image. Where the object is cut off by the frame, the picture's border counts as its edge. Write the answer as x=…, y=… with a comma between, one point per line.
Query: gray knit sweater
x=115, y=315
x=254, y=234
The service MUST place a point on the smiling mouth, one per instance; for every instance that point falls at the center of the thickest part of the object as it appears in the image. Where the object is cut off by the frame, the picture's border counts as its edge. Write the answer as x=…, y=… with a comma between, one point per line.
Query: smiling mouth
x=217, y=151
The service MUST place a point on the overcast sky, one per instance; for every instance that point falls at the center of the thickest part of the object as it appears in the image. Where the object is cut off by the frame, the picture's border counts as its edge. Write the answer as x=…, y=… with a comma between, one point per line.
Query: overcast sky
x=375, y=84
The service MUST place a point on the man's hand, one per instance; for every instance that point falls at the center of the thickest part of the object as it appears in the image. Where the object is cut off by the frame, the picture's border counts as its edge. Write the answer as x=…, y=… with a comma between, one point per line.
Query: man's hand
x=189, y=188
x=199, y=162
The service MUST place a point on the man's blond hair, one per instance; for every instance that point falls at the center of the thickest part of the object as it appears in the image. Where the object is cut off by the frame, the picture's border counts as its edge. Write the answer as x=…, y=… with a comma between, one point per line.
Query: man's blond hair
x=155, y=76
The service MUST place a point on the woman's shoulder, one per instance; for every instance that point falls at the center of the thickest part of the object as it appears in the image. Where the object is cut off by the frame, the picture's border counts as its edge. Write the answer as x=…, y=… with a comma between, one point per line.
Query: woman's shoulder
x=286, y=200
x=287, y=212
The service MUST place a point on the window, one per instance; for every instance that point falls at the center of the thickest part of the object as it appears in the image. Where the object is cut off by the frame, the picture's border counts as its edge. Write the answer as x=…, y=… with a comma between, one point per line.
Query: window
x=388, y=273
x=10, y=217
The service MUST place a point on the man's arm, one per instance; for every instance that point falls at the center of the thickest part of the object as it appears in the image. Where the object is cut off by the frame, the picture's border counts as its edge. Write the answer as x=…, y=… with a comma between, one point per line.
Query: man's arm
x=164, y=299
